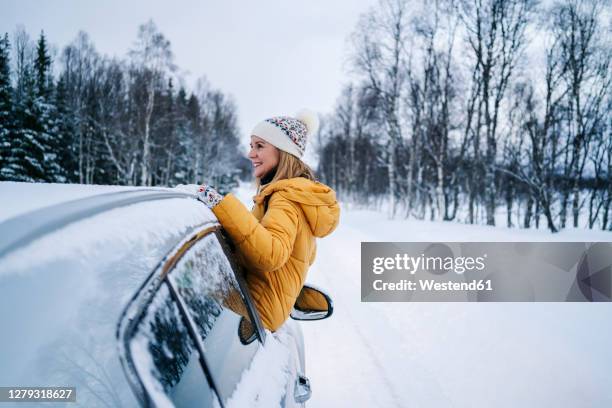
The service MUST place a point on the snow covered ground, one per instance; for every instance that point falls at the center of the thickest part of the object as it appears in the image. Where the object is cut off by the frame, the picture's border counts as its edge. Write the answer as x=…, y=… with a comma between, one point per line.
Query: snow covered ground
x=449, y=354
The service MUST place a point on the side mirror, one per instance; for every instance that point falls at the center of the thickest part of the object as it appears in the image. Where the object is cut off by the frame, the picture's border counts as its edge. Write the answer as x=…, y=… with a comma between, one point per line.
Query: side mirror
x=246, y=331
x=312, y=304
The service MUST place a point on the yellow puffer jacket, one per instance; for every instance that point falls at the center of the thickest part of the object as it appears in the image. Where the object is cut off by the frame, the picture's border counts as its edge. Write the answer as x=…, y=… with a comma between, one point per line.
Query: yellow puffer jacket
x=277, y=245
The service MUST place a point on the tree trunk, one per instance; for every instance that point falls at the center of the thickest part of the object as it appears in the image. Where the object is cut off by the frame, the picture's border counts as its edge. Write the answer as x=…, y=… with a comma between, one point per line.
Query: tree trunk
x=528, y=213
x=509, y=204
x=538, y=211
x=145, y=177
x=391, y=175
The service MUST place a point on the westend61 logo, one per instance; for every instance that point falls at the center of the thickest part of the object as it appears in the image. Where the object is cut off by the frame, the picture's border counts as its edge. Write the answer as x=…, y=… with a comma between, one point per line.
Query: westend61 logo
x=433, y=264
x=486, y=271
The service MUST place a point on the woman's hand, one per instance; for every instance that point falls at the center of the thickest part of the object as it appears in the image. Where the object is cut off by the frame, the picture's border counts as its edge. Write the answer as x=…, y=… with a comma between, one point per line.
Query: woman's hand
x=209, y=196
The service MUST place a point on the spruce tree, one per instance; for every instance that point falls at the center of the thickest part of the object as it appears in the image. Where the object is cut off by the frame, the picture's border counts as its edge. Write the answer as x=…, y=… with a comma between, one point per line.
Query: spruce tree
x=185, y=140
x=42, y=65
x=171, y=140
x=46, y=112
x=65, y=128
x=22, y=153
x=6, y=109
x=30, y=143
x=27, y=150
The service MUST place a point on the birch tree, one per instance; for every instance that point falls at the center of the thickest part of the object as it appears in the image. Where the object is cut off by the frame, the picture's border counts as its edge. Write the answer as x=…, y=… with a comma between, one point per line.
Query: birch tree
x=380, y=43
x=79, y=61
x=496, y=37
x=152, y=55
x=584, y=62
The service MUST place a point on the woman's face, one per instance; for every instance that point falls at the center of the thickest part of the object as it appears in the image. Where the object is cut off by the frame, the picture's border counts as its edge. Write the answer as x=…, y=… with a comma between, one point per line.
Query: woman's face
x=263, y=155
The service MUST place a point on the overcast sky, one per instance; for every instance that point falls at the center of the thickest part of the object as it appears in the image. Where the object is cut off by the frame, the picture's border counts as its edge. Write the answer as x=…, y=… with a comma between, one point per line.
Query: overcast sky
x=273, y=57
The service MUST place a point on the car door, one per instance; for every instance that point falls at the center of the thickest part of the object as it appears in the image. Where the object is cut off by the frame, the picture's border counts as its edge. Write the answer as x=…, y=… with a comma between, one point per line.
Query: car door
x=218, y=307
x=189, y=334
x=272, y=380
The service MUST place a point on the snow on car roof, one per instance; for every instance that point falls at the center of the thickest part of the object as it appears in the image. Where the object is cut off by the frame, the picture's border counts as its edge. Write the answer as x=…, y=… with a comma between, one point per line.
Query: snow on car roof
x=18, y=198
x=112, y=233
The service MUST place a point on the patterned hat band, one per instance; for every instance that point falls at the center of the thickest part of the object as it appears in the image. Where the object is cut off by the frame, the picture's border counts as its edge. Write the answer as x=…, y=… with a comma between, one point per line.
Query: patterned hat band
x=288, y=133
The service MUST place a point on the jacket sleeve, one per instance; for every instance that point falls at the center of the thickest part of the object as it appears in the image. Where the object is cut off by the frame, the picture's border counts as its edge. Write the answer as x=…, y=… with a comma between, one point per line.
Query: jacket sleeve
x=265, y=245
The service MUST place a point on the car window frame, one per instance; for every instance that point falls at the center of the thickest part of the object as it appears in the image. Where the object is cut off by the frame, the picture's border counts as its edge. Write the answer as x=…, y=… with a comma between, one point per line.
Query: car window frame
x=135, y=310
x=228, y=250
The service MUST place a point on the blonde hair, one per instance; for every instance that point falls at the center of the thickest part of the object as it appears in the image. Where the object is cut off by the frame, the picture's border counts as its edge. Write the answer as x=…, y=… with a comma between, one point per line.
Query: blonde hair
x=288, y=167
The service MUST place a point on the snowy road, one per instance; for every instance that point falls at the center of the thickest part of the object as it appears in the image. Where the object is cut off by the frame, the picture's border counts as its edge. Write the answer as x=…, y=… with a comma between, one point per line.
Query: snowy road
x=450, y=354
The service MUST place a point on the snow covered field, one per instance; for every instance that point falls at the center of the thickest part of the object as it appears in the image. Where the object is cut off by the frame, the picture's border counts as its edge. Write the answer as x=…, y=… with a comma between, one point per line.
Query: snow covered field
x=449, y=354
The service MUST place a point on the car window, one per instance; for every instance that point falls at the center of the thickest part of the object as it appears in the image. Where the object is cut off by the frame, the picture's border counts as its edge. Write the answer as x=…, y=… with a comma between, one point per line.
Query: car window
x=229, y=250
x=166, y=358
x=206, y=283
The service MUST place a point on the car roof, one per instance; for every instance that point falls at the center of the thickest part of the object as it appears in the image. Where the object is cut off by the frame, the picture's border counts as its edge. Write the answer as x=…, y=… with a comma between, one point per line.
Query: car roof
x=43, y=218
x=32, y=213
x=18, y=198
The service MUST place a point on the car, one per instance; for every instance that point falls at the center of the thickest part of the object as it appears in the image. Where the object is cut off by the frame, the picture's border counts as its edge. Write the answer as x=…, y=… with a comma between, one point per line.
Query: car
x=132, y=296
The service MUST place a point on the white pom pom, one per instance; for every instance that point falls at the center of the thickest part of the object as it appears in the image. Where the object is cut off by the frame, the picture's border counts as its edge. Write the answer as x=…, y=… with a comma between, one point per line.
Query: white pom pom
x=310, y=119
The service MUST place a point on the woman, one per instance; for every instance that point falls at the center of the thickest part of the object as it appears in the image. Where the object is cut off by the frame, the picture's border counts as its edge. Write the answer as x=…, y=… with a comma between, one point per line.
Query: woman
x=276, y=240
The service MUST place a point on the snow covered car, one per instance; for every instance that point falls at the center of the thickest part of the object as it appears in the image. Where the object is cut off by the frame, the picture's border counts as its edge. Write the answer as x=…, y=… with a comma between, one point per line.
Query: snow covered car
x=132, y=297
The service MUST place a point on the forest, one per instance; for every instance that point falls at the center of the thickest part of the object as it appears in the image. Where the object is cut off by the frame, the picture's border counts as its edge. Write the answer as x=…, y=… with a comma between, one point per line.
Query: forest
x=478, y=111
x=491, y=112
x=104, y=120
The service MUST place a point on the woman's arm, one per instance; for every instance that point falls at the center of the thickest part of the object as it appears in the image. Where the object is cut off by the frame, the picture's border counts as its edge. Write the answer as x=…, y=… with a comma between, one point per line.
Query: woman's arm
x=265, y=245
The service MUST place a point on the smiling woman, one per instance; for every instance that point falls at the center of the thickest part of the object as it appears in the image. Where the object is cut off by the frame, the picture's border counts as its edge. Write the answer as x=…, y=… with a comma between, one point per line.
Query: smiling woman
x=263, y=155
x=276, y=242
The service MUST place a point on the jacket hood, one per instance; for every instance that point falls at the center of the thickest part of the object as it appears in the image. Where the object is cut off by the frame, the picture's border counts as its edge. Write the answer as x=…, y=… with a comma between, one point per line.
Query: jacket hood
x=318, y=202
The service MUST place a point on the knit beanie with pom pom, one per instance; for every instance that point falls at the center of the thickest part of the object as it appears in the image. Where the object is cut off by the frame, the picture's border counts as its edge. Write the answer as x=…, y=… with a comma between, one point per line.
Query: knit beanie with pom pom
x=288, y=133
